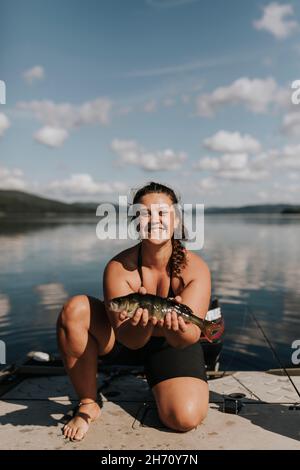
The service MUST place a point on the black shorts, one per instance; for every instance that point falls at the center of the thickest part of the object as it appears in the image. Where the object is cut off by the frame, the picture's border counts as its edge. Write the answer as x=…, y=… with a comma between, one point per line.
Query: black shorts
x=160, y=360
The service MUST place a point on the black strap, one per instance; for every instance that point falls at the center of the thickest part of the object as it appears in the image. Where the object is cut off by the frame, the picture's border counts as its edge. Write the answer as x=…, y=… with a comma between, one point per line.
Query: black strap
x=140, y=262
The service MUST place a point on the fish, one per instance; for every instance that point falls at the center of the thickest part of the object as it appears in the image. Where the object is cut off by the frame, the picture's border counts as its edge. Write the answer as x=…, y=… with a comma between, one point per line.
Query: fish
x=159, y=306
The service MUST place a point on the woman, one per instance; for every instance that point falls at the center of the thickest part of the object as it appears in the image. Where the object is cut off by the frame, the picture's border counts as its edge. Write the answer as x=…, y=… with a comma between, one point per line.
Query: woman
x=171, y=350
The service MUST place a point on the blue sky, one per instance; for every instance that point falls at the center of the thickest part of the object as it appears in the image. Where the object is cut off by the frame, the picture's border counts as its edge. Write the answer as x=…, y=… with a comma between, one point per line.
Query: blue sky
x=103, y=96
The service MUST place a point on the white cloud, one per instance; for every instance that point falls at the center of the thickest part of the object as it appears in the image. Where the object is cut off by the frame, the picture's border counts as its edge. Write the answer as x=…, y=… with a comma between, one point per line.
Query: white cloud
x=130, y=152
x=265, y=160
x=236, y=161
x=51, y=136
x=12, y=179
x=4, y=124
x=283, y=188
x=255, y=94
x=246, y=174
x=80, y=185
x=207, y=184
x=274, y=20
x=281, y=193
x=289, y=157
x=289, y=193
x=235, y=166
x=278, y=162
x=232, y=142
x=291, y=124
x=292, y=151
x=162, y=160
x=150, y=106
x=263, y=195
x=83, y=184
x=283, y=97
x=34, y=74
x=208, y=164
x=94, y=112
x=68, y=116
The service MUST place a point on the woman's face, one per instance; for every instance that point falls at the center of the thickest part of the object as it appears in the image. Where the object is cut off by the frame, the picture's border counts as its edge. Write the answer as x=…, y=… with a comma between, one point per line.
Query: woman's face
x=157, y=217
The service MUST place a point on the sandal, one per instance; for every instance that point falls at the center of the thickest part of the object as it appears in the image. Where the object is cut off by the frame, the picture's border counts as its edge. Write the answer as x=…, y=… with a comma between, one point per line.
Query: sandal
x=75, y=412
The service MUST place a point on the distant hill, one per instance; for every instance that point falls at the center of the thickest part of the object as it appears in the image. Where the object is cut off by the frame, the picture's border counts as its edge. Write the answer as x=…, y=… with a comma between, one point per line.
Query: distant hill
x=254, y=209
x=19, y=202
x=292, y=210
x=22, y=203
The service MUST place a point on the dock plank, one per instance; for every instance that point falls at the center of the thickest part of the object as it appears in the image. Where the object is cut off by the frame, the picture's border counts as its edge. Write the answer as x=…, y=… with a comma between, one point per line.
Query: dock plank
x=32, y=416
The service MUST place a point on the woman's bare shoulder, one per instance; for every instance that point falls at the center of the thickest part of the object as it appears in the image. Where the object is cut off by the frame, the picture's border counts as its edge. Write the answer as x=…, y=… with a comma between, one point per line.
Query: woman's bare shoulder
x=196, y=266
x=126, y=260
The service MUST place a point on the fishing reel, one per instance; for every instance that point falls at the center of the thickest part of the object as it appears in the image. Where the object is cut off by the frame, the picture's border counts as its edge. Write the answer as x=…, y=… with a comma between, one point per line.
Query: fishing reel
x=233, y=403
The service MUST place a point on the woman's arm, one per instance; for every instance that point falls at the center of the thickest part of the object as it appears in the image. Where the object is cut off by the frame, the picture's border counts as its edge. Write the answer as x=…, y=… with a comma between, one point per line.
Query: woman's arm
x=135, y=332
x=196, y=295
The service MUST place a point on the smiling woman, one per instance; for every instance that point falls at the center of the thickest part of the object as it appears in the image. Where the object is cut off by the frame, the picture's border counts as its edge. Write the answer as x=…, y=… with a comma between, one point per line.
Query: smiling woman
x=169, y=348
x=158, y=220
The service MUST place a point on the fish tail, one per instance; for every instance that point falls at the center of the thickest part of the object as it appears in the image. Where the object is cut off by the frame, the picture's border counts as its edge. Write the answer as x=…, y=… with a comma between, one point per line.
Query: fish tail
x=213, y=330
x=204, y=327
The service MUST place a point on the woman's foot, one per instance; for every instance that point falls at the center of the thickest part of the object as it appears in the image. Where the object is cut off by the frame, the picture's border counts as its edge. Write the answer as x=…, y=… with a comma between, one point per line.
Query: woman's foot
x=78, y=426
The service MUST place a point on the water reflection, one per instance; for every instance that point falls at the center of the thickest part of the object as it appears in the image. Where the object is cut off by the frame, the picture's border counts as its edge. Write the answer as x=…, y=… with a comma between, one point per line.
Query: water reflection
x=254, y=262
x=4, y=311
x=52, y=296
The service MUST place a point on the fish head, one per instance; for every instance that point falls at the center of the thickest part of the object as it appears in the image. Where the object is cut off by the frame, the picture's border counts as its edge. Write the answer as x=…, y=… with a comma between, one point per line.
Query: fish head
x=120, y=304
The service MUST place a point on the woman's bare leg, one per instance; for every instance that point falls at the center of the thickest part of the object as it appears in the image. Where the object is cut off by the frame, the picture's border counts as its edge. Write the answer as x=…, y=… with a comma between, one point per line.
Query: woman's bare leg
x=83, y=332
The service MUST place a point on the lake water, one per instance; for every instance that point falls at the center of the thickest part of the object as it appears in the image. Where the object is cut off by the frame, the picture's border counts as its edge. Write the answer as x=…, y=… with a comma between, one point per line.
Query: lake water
x=254, y=262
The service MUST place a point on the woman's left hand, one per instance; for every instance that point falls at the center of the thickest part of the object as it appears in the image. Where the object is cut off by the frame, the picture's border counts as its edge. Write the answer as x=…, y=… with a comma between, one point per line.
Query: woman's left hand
x=172, y=321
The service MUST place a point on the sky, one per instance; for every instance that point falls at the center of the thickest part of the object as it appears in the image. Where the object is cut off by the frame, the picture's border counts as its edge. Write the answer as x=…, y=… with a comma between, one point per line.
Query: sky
x=103, y=96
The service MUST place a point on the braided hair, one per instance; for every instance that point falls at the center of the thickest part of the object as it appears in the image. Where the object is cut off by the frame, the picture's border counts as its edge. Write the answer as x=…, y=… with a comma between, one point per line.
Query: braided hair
x=178, y=259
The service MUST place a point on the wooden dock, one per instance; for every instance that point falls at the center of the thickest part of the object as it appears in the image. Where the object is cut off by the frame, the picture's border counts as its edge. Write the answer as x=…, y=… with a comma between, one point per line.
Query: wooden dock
x=34, y=409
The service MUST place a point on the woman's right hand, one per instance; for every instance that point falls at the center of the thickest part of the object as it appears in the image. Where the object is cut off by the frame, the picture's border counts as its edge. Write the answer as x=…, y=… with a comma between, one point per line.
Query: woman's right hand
x=141, y=316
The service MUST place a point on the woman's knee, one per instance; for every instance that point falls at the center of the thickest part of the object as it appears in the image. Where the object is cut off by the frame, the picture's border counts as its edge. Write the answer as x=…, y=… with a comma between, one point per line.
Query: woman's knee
x=75, y=310
x=183, y=418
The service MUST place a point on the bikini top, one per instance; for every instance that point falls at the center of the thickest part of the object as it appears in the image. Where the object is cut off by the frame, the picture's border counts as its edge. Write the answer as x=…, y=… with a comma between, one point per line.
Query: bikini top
x=170, y=293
